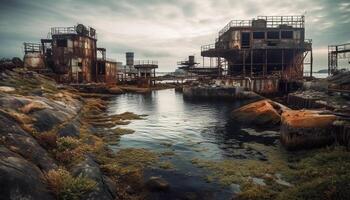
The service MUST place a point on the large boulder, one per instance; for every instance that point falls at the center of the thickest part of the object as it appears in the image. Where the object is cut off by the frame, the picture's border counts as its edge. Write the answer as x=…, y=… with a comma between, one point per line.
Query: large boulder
x=261, y=113
x=301, y=129
x=104, y=189
x=20, y=179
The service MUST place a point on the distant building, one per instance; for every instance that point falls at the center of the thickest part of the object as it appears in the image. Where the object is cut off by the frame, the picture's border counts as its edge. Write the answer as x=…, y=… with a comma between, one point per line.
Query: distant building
x=139, y=71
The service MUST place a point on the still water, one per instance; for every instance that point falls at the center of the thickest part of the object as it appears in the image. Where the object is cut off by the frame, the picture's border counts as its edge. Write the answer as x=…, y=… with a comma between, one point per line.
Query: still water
x=190, y=129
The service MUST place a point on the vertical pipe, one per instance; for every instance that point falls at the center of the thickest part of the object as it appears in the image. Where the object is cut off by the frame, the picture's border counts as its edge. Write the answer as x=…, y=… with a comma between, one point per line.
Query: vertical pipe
x=282, y=61
x=243, y=63
x=311, y=62
x=251, y=62
x=265, y=66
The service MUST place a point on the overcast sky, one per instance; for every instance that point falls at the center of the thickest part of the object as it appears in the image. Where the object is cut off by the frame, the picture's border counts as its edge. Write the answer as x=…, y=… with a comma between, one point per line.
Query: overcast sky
x=164, y=30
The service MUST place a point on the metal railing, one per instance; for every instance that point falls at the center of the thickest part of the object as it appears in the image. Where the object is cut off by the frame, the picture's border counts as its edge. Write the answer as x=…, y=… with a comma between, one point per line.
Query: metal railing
x=276, y=21
x=235, y=23
x=88, y=31
x=32, y=47
x=207, y=47
x=145, y=62
x=271, y=22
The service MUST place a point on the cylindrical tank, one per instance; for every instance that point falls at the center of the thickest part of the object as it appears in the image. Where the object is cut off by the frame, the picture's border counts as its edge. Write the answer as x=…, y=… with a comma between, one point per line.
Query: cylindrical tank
x=129, y=58
x=191, y=59
x=34, y=60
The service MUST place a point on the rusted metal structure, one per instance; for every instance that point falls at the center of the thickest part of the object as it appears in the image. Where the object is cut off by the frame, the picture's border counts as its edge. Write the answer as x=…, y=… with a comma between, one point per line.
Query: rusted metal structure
x=188, y=64
x=264, y=49
x=73, y=53
x=70, y=53
x=33, y=57
x=191, y=66
x=106, y=69
x=336, y=53
x=146, y=70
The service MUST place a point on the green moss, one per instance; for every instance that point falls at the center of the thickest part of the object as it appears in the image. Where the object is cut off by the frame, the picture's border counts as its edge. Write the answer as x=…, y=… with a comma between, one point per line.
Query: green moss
x=67, y=187
x=168, y=153
x=127, y=160
x=127, y=116
x=122, y=131
x=166, y=165
x=316, y=174
x=251, y=191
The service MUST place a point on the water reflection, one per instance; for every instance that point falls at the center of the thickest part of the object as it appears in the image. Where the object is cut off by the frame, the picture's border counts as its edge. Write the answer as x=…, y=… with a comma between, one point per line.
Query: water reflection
x=189, y=128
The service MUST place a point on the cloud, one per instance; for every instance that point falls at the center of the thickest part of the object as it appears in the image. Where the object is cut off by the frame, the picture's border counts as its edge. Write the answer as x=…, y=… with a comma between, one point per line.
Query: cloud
x=165, y=30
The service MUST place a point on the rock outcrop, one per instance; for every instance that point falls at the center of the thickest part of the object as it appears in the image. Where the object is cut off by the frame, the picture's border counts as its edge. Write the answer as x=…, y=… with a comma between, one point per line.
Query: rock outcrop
x=40, y=126
x=104, y=189
x=22, y=143
x=265, y=113
x=306, y=129
x=21, y=179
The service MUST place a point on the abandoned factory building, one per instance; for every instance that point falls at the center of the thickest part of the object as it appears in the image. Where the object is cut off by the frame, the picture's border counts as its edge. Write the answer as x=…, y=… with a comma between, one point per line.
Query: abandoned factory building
x=70, y=55
x=269, y=46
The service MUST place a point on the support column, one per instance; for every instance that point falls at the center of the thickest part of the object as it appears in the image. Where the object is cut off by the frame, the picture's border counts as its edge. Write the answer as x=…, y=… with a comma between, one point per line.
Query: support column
x=244, y=63
x=251, y=62
x=282, y=61
x=311, y=62
x=265, y=65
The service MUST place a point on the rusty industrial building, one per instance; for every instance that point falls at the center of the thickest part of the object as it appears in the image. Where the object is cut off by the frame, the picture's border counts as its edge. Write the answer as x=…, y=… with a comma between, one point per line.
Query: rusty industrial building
x=263, y=53
x=70, y=56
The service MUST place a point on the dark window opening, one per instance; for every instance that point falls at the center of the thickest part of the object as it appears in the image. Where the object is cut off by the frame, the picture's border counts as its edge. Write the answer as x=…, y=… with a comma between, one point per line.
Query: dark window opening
x=273, y=35
x=259, y=35
x=62, y=43
x=271, y=44
x=80, y=64
x=287, y=34
x=245, y=40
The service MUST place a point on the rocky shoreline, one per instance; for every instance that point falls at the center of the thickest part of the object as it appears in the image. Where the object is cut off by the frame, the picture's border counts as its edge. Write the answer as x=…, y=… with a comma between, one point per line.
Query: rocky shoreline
x=54, y=142
x=54, y=145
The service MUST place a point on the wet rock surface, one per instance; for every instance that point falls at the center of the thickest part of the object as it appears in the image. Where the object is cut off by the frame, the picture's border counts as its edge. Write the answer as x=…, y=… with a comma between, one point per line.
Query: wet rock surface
x=24, y=144
x=157, y=184
x=90, y=169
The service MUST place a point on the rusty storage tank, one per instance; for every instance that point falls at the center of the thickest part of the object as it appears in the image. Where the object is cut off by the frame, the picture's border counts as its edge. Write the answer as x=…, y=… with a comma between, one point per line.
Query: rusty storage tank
x=33, y=57
x=130, y=58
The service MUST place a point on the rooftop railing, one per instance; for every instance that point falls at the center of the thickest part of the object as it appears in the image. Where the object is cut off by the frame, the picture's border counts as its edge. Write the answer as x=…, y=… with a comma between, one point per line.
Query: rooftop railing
x=207, y=47
x=271, y=22
x=32, y=47
x=87, y=31
x=145, y=62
